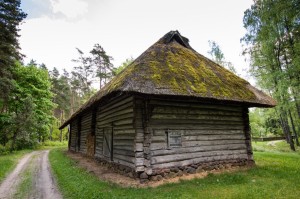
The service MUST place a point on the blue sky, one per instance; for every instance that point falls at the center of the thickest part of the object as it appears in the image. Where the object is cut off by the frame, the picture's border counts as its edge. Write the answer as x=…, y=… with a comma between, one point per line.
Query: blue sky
x=126, y=28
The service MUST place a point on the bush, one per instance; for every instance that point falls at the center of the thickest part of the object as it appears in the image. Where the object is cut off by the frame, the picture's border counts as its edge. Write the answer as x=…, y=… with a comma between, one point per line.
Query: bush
x=4, y=150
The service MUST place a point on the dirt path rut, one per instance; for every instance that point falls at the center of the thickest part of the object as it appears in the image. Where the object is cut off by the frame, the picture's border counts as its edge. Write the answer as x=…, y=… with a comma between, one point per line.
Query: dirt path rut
x=43, y=183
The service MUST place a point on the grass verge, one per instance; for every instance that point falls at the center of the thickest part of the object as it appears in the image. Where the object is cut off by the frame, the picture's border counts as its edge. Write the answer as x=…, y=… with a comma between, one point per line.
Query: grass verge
x=9, y=161
x=277, y=175
x=26, y=184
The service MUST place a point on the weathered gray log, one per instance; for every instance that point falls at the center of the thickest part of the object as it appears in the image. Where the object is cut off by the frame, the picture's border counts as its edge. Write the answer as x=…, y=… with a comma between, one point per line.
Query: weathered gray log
x=187, y=156
x=197, y=149
x=199, y=160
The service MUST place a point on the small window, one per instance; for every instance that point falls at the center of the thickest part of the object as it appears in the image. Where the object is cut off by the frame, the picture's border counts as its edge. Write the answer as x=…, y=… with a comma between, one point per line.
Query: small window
x=174, y=139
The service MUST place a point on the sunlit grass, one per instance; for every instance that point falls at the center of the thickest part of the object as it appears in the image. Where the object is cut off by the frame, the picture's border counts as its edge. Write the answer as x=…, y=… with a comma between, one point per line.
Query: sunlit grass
x=276, y=176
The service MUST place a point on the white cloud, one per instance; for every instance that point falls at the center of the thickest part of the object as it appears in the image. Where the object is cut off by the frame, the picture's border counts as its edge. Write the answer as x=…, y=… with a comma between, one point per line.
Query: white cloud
x=70, y=8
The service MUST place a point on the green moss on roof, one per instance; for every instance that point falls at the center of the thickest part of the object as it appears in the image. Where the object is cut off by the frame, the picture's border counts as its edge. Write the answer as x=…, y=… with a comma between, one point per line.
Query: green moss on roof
x=172, y=67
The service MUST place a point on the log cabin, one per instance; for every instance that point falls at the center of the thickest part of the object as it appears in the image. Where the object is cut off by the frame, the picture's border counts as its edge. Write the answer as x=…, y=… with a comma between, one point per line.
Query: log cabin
x=171, y=110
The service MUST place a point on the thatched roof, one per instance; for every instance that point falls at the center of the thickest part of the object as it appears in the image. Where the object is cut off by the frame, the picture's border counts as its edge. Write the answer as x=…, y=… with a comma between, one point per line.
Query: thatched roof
x=171, y=67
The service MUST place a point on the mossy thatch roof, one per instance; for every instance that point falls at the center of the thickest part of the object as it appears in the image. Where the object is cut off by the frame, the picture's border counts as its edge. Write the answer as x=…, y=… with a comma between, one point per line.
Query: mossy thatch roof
x=172, y=67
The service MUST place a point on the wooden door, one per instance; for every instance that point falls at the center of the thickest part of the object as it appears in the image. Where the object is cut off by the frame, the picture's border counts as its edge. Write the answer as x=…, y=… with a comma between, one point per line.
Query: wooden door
x=108, y=143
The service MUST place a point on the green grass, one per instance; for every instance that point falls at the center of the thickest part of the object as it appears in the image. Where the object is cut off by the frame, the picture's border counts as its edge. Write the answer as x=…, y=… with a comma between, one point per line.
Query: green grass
x=273, y=146
x=277, y=175
x=53, y=144
x=26, y=184
x=9, y=161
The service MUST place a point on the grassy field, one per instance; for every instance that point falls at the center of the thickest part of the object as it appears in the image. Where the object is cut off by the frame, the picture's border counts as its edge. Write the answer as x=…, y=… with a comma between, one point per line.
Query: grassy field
x=9, y=161
x=277, y=175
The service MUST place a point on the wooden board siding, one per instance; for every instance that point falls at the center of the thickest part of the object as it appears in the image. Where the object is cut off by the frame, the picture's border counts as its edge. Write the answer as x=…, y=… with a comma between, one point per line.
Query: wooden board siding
x=118, y=114
x=86, y=124
x=208, y=133
x=73, y=135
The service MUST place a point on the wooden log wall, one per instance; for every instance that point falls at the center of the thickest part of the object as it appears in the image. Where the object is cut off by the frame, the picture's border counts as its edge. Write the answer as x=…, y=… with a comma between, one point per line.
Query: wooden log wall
x=208, y=133
x=86, y=128
x=118, y=114
x=73, y=135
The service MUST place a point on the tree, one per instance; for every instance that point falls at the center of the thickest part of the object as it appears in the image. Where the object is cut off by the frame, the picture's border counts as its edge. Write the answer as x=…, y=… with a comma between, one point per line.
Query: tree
x=272, y=41
x=10, y=17
x=126, y=63
x=103, y=64
x=218, y=56
x=29, y=107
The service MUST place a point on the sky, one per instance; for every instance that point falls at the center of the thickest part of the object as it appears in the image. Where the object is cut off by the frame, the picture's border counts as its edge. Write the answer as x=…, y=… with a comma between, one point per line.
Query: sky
x=54, y=29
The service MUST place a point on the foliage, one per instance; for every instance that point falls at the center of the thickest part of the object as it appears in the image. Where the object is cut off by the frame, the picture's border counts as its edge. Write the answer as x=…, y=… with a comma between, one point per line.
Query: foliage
x=10, y=17
x=29, y=109
x=126, y=63
x=264, y=123
x=264, y=181
x=218, y=56
x=272, y=40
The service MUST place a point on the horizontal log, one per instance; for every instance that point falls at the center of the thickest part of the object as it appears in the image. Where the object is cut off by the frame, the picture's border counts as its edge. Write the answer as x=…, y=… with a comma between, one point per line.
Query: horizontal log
x=213, y=137
x=122, y=162
x=124, y=152
x=197, y=117
x=124, y=131
x=196, y=105
x=199, y=160
x=212, y=142
x=123, y=142
x=193, y=122
x=116, y=102
x=196, y=127
x=115, y=119
x=115, y=113
x=139, y=147
x=124, y=136
x=124, y=147
x=192, y=111
x=158, y=146
x=187, y=156
x=161, y=132
x=197, y=149
x=127, y=159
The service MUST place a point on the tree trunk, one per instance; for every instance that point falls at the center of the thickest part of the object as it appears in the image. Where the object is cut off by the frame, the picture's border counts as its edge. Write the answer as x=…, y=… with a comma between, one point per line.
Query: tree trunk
x=294, y=129
x=61, y=121
x=286, y=130
x=14, y=140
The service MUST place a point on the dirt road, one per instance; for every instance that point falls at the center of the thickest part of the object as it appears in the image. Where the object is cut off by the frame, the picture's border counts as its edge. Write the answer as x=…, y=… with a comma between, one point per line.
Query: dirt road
x=35, y=167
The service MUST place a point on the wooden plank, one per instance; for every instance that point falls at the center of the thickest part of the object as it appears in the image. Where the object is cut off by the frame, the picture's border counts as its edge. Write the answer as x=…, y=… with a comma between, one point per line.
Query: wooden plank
x=192, y=111
x=197, y=149
x=197, y=117
x=193, y=122
x=196, y=127
x=114, y=105
x=195, y=105
x=124, y=152
x=158, y=146
x=213, y=137
x=186, y=156
x=116, y=119
x=120, y=110
x=191, y=132
x=199, y=160
x=122, y=162
x=124, y=158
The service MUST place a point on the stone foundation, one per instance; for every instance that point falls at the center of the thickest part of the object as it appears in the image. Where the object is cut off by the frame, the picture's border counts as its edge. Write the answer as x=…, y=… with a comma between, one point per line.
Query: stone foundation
x=173, y=172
